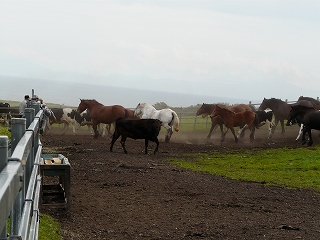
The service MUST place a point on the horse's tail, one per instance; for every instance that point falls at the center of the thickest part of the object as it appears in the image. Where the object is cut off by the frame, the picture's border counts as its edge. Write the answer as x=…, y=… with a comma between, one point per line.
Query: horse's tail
x=256, y=121
x=176, y=121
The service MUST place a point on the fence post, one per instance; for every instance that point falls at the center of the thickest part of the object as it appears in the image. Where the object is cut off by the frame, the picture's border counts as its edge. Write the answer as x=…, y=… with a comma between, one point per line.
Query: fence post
x=3, y=152
x=29, y=113
x=18, y=129
x=195, y=123
x=3, y=163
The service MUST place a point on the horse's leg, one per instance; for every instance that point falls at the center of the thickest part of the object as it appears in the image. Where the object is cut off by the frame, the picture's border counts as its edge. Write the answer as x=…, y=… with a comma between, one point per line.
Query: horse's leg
x=214, y=125
x=223, y=135
x=282, y=126
x=99, y=128
x=221, y=129
x=123, y=141
x=304, y=135
x=234, y=134
x=168, y=135
x=73, y=128
x=310, y=137
x=271, y=126
x=169, y=132
x=65, y=128
x=103, y=133
x=252, y=137
x=300, y=131
x=241, y=131
x=94, y=126
x=276, y=121
x=146, y=142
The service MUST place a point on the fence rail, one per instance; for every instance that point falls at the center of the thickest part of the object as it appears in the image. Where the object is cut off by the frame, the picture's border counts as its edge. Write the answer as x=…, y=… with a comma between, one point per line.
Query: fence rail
x=20, y=179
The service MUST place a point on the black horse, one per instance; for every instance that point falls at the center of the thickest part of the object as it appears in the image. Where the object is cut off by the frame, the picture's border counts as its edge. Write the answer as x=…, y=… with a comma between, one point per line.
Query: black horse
x=309, y=117
x=314, y=102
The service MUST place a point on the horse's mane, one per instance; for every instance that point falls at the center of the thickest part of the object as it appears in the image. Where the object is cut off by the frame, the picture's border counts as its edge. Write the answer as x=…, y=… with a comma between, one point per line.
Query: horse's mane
x=276, y=99
x=224, y=108
x=92, y=100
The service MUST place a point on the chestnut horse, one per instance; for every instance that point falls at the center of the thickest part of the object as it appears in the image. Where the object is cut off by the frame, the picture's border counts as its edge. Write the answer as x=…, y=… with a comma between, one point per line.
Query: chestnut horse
x=232, y=119
x=101, y=114
x=206, y=109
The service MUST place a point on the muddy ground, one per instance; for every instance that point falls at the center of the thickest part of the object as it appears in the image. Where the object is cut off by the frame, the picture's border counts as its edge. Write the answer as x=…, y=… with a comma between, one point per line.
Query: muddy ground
x=137, y=196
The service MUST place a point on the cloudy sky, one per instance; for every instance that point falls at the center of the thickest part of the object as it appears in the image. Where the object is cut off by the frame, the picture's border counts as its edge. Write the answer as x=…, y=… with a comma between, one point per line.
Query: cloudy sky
x=244, y=49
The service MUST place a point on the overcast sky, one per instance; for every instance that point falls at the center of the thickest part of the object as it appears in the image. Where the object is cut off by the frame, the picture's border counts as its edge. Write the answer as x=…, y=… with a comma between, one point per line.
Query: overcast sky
x=243, y=49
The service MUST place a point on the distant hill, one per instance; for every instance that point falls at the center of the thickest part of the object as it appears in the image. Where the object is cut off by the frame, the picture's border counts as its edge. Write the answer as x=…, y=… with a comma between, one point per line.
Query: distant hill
x=69, y=93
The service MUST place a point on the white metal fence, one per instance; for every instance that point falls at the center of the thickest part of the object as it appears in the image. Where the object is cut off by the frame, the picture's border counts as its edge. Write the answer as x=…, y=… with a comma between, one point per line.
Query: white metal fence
x=20, y=181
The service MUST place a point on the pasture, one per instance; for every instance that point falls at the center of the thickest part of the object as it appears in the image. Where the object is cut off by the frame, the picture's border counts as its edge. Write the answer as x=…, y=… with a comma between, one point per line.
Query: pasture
x=138, y=196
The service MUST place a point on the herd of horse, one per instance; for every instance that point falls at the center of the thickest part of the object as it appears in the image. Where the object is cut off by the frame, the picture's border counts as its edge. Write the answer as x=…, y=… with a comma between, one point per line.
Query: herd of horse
x=305, y=112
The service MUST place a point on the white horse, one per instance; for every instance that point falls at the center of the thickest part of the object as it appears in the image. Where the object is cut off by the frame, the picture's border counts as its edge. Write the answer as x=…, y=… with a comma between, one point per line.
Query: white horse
x=168, y=117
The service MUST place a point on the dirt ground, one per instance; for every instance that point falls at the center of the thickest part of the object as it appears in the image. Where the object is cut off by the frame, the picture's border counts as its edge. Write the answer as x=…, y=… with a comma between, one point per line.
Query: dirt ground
x=137, y=196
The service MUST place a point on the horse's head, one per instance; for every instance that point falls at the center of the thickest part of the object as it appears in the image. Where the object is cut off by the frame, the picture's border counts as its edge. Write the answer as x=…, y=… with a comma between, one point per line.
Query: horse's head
x=82, y=106
x=138, y=111
x=215, y=112
x=297, y=112
x=264, y=104
x=205, y=110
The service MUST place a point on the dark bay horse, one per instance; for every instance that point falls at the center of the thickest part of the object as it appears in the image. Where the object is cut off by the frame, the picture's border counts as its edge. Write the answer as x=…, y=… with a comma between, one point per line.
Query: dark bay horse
x=315, y=102
x=207, y=109
x=310, y=118
x=298, y=119
x=280, y=110
x=232, y=119
x=102, y=114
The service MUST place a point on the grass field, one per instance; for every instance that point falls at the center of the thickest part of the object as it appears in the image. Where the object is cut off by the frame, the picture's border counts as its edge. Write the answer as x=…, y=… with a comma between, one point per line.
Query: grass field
x=293, y=168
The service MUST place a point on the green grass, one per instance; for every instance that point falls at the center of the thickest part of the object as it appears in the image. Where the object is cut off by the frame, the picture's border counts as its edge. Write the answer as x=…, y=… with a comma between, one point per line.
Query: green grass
x=293, y=168
x=49, y=228
x=4, y=131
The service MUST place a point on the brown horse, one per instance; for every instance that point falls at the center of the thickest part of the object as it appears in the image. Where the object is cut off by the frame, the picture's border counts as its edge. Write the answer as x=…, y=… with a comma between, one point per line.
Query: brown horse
x=232, y=119
x=102, y=114
x=280, y=110
x=206, y=109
